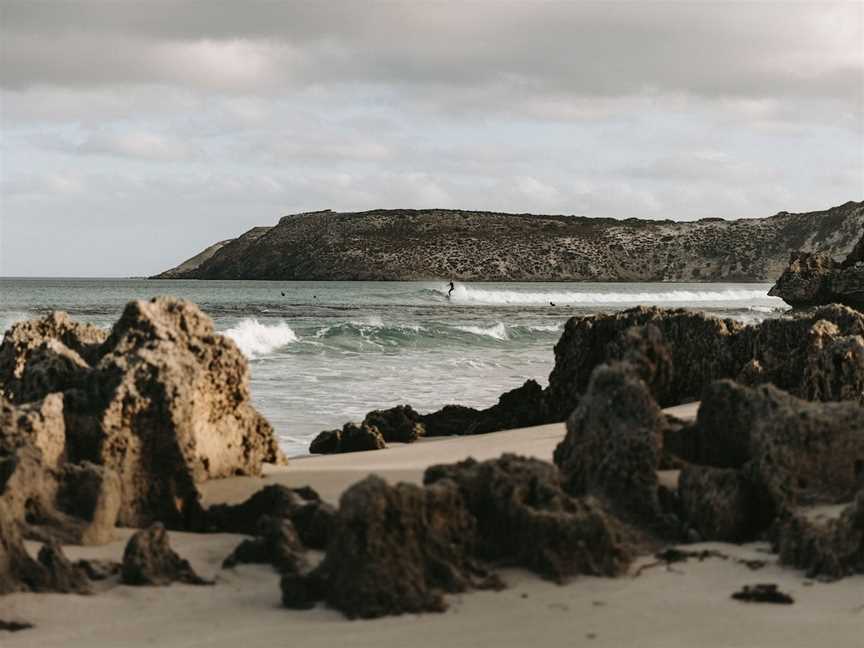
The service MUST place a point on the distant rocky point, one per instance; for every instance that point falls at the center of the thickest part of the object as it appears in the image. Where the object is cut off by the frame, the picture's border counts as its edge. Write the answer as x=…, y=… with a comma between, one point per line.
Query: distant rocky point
x=405, y=244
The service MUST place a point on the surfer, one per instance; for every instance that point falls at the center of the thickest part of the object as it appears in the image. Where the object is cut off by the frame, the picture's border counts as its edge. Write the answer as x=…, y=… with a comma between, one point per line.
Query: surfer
x=551, y=303
x=283, y=293
x=452, y=288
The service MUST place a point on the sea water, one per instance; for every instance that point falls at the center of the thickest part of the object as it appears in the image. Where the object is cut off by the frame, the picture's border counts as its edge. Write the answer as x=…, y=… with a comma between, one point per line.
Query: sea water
x=323, y=353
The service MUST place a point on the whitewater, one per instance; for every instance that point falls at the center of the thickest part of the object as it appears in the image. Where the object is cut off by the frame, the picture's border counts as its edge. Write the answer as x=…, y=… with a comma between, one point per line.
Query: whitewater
x=327, y=352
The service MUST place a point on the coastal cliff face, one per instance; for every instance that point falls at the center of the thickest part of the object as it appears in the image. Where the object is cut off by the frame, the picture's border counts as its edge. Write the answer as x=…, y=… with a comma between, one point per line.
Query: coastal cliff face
x=402, y=244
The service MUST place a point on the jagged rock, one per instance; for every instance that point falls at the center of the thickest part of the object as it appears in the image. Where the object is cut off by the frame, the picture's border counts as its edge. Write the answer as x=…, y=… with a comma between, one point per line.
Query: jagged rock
x=99, y=570
x=25, y=338
x=149, y=560
x=717, y=503
x=525, y=518
x=396, y=549
x=351, y=438
x=644, y=348
x=312, y=518
x=18, y=571
x=612, y=449
x=69, y=504
x=399, y=424
x=326, y=442
x=51, y=367
x=835, y=365
x=90, y=494
x=816, y=278
x=60, y=574
x=679, y=353
x=163, y=402
x=277, y=543
x=786, y=452
x=450, y=420
x=518, y=408
x=700, y=347
x=52, y=572
x=831, y=550
x=169, y=407
x=40, y=424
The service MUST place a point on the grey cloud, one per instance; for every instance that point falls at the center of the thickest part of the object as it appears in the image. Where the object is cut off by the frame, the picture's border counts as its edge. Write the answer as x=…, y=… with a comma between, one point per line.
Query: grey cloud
x=603, y=49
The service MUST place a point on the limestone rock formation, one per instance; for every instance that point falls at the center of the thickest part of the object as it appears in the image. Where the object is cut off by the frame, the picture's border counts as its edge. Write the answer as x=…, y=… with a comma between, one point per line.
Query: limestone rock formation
x=163, y=402
x=351, y=438
x=277, y=543
x=52, y=572
x=783, y=453
x=311, y=517
x=396, y=549
x=679, y=352
x=815, y=278
x=612, y=449
x=830, y=550
x=525, y=518
x=407, y=244
x=149, y=560
x=23, y=339
x=450, y=420
x=400, y=424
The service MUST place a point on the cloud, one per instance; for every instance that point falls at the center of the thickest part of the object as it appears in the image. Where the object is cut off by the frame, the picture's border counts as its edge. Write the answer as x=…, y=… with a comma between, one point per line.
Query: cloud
x=189, y=122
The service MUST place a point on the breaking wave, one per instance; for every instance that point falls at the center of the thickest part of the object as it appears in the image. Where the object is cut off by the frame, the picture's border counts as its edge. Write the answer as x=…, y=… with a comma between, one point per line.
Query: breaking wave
x=491, y=297
x=256, y=339
x=496, y=331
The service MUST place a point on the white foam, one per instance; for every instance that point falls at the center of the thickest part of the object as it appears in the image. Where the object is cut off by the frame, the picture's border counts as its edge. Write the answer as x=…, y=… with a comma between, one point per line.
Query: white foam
x=497, y=331
x=471, y=295
x=256, y=339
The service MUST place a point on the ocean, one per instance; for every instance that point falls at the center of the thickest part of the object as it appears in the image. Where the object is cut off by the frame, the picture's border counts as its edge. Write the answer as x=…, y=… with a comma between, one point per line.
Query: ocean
x=323, y=353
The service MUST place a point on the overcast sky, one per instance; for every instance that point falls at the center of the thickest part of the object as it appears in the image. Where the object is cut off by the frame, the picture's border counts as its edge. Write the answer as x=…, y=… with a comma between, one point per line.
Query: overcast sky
x=136, y=133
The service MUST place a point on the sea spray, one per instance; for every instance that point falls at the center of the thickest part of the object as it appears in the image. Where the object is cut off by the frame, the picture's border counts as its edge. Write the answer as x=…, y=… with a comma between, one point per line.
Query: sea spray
x=256, y=339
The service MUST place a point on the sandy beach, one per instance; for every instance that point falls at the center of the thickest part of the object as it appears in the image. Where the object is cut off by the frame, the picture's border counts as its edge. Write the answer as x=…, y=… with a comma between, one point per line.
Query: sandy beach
x=685, y=604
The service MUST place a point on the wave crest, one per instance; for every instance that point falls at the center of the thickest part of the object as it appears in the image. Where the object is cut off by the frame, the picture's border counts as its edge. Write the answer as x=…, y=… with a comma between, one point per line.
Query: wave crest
x=485, y=296
x=256, y=339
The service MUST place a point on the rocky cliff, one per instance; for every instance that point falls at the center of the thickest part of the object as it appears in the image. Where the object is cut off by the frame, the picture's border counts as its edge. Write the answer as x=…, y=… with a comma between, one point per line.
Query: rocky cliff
x=402, y=244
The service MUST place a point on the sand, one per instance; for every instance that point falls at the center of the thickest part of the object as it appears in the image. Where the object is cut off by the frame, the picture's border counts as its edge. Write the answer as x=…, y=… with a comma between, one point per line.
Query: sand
x=686, y=605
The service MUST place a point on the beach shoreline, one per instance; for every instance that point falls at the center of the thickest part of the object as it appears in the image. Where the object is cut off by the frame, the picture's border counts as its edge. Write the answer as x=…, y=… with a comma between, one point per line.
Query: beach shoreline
x=655, y=604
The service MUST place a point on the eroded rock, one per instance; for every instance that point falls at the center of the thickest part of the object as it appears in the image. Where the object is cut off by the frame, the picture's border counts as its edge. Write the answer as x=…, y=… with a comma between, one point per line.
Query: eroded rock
x=149, y=560
x=277, y=543
x=816, y=278
x=525, y=518
x=312, y=518
x=399, y=424
x=351, y=438
x=612, y=447
x=396, y=549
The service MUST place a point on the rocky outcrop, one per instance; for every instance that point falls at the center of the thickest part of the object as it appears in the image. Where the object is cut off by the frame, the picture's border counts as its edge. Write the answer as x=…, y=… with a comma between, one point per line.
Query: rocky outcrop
x=399, y=549
x=277, y=543
x=525, y=518
x=78, y=342
x=162, y=402
x=149, y=560
x=351, y=438
x=311, y=517
x=521, y=407
x=678, y=353
x=815, y=278
x=830, y=550
x=396, y=549
x=612, y=448
x=758, y=455
x=405, y=244
x=400, y=424
x=51, y=572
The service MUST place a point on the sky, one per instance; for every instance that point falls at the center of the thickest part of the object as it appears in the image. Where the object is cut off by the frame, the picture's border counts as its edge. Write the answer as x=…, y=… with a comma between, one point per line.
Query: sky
x=134, y=133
